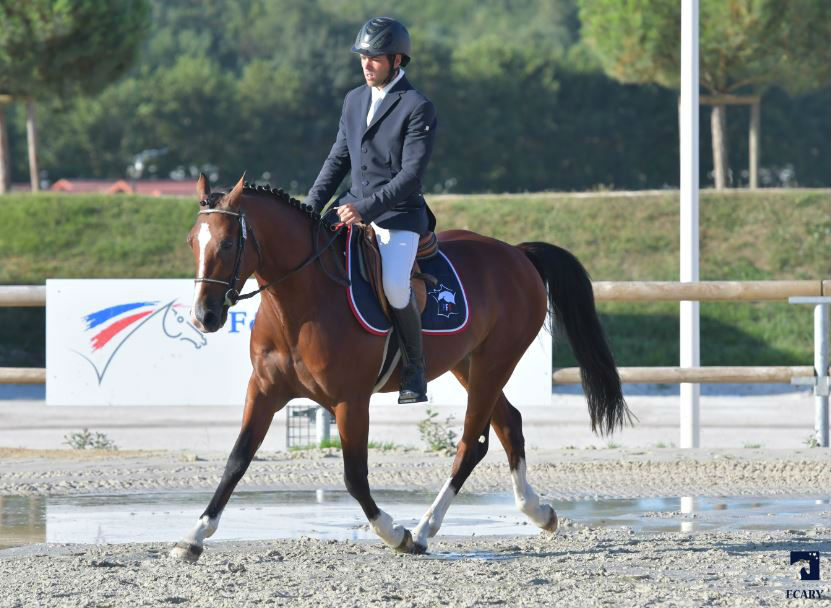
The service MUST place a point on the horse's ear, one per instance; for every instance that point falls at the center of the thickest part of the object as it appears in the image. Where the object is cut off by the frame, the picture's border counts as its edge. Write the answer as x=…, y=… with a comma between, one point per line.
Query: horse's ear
x=232, y=197
x=203, y=188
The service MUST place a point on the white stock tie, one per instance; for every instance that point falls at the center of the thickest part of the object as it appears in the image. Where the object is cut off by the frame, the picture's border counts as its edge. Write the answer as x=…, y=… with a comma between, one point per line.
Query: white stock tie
x=372, y=109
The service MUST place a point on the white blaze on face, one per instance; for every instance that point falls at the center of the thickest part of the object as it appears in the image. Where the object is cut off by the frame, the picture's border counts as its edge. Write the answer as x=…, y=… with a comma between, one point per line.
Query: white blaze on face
x=203, y=238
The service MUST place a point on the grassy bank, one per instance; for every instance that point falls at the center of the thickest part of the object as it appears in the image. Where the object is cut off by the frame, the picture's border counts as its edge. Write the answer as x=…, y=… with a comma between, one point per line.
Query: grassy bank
x=744, y=236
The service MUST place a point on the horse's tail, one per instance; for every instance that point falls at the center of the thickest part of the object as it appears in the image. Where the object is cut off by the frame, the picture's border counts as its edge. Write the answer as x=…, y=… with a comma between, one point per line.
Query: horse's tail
x=572, y=300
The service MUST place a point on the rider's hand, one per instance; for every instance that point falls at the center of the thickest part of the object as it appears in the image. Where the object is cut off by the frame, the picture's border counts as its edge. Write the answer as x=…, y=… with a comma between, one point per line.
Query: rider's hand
x=348, y=214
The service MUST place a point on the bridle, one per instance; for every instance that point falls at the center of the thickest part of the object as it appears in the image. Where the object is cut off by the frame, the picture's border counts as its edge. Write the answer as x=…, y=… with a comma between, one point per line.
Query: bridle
x=232, y=296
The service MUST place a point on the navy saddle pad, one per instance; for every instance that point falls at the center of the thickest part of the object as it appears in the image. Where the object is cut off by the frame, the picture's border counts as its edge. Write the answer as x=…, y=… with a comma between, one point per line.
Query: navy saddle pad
x=446, y=311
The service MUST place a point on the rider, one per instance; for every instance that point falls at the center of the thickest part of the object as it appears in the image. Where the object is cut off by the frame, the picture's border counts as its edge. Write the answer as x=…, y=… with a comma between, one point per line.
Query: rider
x=385, y=137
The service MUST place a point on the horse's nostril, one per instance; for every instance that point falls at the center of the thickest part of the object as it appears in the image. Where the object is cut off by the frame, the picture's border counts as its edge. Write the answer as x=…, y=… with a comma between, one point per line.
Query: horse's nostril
x=209, y=319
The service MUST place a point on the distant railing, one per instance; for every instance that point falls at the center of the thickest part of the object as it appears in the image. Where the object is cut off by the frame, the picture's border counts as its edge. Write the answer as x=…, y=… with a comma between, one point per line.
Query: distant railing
x=815, y=293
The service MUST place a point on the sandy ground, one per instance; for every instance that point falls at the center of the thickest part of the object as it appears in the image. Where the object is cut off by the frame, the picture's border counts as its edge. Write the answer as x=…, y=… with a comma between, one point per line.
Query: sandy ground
x=580, y=566
x=565, y=474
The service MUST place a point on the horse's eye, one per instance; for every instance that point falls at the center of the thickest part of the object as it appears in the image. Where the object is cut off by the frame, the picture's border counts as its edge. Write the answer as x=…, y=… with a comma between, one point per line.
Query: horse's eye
x=226, y=244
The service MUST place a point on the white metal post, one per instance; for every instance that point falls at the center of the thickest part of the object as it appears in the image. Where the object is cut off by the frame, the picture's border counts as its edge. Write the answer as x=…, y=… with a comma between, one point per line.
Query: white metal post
x=821, y=381
x=322, y=421
x=821, y=369
x=689, y=313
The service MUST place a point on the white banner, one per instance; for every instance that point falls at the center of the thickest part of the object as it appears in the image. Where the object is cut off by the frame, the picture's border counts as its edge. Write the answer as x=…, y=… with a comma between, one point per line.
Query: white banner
x=130, y=342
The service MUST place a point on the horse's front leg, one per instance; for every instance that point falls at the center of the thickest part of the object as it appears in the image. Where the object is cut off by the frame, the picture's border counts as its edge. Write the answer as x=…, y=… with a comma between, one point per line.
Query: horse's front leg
x=353, y=425
x=260, y=406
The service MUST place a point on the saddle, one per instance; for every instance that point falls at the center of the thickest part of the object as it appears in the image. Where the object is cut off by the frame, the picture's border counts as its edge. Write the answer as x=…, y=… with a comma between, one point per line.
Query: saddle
x=443, y=303
x=369, y=263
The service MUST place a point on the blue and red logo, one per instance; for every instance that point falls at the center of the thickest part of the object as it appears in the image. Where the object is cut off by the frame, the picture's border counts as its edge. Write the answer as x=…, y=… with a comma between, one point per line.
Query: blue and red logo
x=112, y=327
x=445, y=300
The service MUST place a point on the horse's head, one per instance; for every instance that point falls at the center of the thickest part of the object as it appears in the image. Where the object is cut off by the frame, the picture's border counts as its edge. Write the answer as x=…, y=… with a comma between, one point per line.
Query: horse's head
x=223, y=262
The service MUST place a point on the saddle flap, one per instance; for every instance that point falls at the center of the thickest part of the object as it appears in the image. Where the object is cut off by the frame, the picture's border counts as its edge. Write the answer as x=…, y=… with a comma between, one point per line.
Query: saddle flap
x=370, y=265
x=446, y=310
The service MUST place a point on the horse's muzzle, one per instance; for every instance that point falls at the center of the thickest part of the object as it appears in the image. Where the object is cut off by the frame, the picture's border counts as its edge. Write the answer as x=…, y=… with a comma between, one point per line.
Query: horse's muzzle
x=210, y=316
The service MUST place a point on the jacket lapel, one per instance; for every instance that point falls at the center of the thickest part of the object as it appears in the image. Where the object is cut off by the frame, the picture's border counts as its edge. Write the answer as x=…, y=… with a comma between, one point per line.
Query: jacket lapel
x=358, y=116
x=389, y=102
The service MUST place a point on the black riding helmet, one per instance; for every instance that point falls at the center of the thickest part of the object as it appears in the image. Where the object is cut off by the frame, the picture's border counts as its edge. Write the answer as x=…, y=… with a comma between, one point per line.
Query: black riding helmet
x=383, y=36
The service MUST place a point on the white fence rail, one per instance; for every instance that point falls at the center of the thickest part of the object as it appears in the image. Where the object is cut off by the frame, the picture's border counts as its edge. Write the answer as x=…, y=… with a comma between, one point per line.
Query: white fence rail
x=699, y=375
x=22, y=295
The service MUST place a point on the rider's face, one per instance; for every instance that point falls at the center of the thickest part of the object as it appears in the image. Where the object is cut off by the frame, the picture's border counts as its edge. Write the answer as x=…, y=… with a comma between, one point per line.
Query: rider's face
x=376, y=69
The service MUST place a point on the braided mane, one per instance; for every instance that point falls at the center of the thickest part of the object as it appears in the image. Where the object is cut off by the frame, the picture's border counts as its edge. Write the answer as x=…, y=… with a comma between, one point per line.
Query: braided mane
x=282, y=196
x=214, y=198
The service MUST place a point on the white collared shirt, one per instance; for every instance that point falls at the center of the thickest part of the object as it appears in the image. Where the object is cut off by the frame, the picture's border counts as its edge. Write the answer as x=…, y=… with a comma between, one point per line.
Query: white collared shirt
x=378, y=95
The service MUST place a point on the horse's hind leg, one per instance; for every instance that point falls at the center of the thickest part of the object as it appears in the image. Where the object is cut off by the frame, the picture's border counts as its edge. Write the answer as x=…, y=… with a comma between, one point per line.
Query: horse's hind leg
x=353, y=425
x=507, y=423
x=483, y=380
x=260, y=408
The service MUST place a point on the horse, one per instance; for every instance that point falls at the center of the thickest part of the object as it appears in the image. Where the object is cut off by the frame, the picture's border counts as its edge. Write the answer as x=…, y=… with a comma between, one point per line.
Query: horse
x=305, y=342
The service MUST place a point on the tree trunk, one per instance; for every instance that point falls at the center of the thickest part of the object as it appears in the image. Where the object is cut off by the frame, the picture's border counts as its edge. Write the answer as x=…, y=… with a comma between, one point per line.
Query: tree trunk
x=5, y=159
x=31, y=137
x=753, y=144
x=718, y=129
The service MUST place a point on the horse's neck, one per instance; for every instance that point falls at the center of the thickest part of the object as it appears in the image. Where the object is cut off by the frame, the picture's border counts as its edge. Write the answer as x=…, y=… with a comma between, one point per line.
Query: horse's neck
x=285, y=239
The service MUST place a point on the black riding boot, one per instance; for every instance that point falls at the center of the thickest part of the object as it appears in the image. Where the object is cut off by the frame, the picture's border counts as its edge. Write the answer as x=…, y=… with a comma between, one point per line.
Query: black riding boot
x=407, y=322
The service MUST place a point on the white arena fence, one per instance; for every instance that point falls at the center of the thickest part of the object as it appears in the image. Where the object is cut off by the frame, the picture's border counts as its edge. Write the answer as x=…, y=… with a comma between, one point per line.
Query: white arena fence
x=813, y=292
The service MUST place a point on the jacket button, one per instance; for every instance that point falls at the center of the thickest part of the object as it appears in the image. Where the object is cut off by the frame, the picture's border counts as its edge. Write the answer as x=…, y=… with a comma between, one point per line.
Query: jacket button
x=364, y=149
x=365, y=183
x=363, y=167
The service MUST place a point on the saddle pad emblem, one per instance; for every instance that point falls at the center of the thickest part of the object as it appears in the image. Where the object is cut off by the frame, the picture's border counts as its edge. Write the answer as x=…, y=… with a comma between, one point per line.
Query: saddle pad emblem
x=445, y=299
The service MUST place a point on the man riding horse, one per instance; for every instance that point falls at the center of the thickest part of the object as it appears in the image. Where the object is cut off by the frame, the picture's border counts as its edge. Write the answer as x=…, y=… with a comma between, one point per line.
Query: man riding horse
x=298, y=337
x=385, y=137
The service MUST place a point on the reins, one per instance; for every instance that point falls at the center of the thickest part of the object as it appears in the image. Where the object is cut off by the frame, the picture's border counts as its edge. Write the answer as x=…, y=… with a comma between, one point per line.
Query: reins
x=232, y=296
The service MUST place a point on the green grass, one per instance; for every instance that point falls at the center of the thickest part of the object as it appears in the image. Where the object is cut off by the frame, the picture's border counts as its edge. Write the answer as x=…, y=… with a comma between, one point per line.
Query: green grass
x=384, y=446
x=744, y=236
x=326, y=443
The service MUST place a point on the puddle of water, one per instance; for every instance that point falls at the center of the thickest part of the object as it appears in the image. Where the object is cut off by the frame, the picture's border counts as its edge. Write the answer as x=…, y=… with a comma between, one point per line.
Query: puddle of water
x=165, y=517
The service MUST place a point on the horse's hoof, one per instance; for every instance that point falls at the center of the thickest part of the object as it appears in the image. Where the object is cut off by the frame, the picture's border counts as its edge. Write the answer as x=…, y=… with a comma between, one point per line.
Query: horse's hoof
x=408, y=546
x=186, y=552
x=552, y=524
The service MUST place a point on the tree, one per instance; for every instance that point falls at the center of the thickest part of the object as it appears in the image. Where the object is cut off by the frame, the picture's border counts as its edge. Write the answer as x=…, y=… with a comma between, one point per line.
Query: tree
x=744, y=46
x=61, y=48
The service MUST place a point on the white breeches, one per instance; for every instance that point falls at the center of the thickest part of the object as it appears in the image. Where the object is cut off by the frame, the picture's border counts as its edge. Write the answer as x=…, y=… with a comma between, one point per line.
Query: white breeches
x=398, y=250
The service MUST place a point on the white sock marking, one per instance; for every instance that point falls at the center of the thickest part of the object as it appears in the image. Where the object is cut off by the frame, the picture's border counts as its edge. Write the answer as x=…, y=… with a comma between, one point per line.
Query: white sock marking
x=389, y=532
x=527, y=500
x=431, y=521
x=205, y=528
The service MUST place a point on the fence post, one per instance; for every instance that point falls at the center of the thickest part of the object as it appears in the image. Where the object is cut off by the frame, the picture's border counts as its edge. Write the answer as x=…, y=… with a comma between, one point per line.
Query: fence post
x=821, y=368
x=689, y=218
x=323, y=419
x=821, y=379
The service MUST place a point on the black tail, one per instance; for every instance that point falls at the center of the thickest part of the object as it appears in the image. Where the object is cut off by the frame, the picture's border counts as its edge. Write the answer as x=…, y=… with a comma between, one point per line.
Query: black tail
x=572, y=300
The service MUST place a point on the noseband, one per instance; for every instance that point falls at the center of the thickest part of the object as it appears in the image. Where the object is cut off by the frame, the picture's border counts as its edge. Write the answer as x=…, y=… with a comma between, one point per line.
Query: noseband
x=232, y=296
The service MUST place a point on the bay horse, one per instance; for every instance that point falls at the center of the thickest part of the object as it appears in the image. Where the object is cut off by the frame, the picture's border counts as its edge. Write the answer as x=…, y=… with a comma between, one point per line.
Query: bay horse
x=305, y=342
